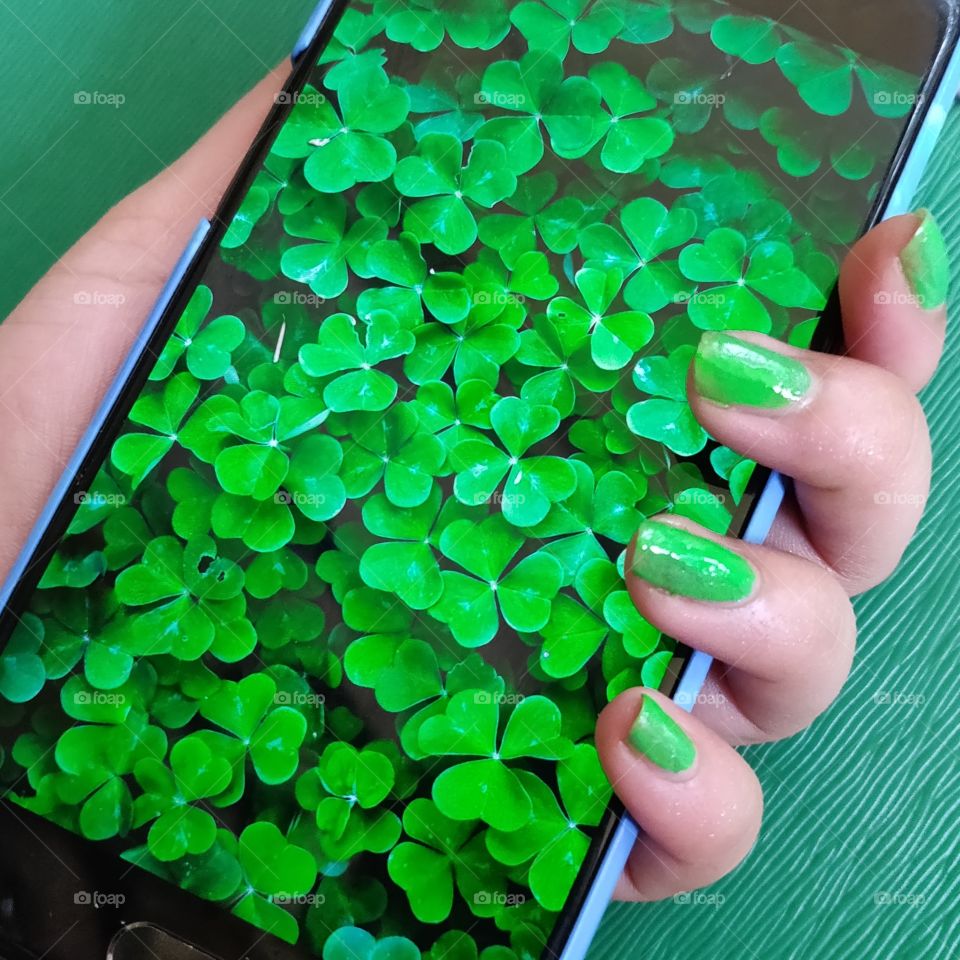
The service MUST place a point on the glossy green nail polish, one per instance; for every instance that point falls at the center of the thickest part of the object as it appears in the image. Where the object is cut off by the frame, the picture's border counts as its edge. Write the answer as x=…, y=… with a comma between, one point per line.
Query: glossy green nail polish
x=691, y=566
x=658, y=737
x=926, y=264
x=734, y=372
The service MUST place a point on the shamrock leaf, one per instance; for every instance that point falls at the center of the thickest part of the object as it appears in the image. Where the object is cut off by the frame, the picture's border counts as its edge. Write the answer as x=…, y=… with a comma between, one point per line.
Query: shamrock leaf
x=194, y=597
x=400, y=262
x=343, y=790
x=22, y=671
x=553, y=843
x=271, y=734
x=751, y=39
x=769, y=269
x=208, y=346
x=434, y=172
x=532, y=483
x=570, y=638
x=535, y=91
x=471, y=24
x=251, y=211
x=405, y=562
x=426, y=865
x=650, y=230
x=614, y=338
x=823, y=75
x=325, y=264
x=178, y=827
x=631, y=140
x=469, y=604
x=358, y=385
x=136, y=454
x=591, y=26
x=349, y=147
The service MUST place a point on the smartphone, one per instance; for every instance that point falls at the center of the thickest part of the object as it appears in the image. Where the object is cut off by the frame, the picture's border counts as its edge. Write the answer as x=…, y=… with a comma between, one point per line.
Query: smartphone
x=305, y=655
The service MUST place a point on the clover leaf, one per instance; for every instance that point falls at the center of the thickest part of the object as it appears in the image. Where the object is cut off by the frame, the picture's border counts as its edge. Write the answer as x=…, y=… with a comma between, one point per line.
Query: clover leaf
x=425, y=866
x=471, y=24
x=534, y=88
x=650, y=230
x=470, y=602
x=630, y=140
x=346, y=147
x=344, y=789
x=22, y=671
x=532, y=482
x=325, y=265
x=339, y=350
x=194, y=774
x=553, y=842
x=271, y=734
x=434, y=172
x=614, y=338
x=737, y=275
x=590, y=25
x=487, y=789
x=754, y=40
x=208, y=346
x=136, y=454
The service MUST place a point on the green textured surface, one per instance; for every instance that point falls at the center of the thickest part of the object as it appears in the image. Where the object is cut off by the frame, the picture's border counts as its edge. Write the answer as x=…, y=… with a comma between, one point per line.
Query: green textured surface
x=858, y=857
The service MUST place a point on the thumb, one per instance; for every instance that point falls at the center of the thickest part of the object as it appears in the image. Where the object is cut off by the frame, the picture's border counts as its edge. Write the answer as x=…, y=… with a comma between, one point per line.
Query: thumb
x=62, y=346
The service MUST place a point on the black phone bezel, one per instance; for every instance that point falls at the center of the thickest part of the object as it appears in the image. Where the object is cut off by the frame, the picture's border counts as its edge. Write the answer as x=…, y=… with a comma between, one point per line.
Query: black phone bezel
x=828, y=338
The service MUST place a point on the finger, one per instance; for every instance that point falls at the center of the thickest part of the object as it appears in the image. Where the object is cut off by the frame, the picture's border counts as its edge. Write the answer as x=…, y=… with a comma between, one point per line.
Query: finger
x=893, y=288
x=851, y=435
x=58, y=355
x=782, y=628
x=697, y=803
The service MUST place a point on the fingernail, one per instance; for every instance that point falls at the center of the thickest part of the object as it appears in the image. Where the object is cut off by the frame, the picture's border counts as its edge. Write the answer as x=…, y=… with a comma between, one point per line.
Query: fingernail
x=658, y=737
x=926, y=264
x=691, y=566
x=735, y=372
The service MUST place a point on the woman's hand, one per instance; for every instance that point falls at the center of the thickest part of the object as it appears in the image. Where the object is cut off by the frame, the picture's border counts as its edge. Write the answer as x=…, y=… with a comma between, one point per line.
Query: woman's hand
x=777, y=618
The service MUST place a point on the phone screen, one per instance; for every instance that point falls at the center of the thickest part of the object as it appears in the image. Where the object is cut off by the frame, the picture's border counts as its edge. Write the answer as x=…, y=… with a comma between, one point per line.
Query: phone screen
x=327, y=635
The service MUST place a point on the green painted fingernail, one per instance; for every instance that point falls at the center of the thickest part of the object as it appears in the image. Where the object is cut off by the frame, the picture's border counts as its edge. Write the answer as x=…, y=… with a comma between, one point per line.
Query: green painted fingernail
x=735, y=372
x=926, y=264
x=658, y=737
x=691, y=566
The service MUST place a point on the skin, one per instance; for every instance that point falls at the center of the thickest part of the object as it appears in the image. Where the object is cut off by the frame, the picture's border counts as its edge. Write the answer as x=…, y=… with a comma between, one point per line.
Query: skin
x=859, y=432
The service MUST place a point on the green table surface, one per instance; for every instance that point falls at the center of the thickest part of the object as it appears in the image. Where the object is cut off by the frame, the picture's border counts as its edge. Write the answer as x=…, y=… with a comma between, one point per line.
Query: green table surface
x=859, y=853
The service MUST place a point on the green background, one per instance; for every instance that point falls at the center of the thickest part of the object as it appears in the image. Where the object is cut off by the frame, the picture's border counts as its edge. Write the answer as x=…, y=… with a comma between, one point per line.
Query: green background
x=859, y=852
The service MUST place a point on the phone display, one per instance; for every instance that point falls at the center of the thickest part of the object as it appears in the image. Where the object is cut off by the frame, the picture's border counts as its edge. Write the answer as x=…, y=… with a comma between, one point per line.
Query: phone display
x=327, y=635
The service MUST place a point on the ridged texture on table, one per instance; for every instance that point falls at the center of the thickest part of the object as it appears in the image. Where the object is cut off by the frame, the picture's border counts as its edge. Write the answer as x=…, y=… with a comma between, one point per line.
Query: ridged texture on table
x=860, y=848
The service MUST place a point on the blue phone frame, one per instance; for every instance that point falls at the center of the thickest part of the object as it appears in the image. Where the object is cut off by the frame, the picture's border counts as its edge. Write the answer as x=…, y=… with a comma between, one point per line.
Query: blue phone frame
x=764, y=511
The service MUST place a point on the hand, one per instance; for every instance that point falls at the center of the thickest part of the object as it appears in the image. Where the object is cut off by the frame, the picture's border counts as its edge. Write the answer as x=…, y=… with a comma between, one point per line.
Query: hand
x=780, y=622
x=778, y=618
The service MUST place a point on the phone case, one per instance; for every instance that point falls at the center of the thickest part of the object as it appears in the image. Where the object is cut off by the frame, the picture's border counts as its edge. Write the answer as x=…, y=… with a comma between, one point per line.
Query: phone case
x=761, y=520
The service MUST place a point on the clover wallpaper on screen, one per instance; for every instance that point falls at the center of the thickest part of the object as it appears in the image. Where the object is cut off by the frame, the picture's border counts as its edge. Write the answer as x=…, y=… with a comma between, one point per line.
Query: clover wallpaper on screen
x=327, y=636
